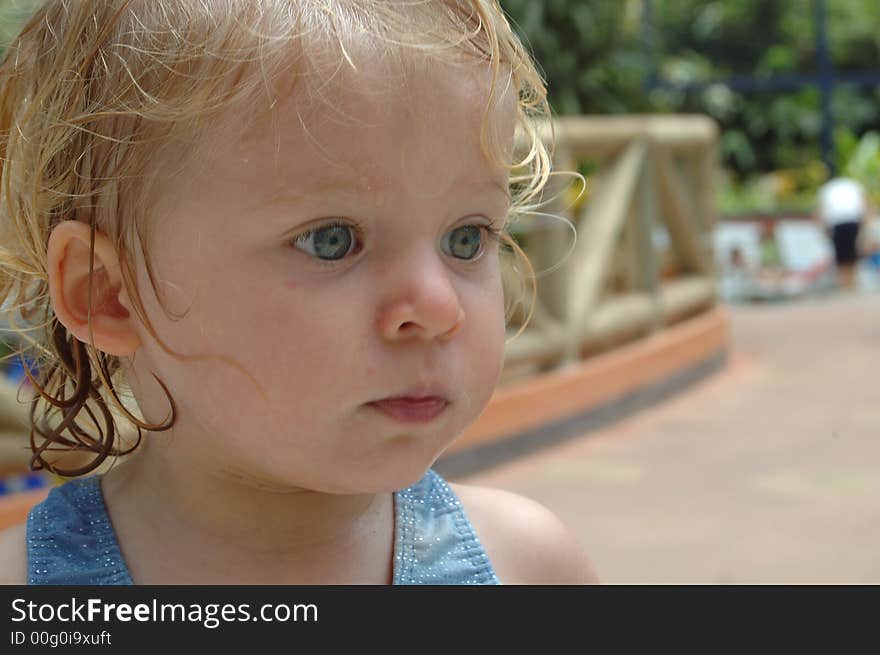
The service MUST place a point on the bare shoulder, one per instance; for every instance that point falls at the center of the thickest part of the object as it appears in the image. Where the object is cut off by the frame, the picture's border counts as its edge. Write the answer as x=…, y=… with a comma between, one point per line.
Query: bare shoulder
x=526, y=542
x=13, y=555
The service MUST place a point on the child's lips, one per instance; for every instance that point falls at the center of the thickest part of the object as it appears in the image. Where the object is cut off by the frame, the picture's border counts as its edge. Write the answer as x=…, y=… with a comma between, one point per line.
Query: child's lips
x=412, y=409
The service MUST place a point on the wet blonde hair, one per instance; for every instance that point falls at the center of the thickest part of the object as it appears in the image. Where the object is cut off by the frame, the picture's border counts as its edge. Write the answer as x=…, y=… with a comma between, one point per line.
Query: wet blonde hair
x=95, y=94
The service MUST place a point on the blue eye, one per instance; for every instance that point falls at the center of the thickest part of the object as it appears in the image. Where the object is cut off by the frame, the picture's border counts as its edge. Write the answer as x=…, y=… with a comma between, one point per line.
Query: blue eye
x=466, y=241
x=329, y=243
x=334, y=241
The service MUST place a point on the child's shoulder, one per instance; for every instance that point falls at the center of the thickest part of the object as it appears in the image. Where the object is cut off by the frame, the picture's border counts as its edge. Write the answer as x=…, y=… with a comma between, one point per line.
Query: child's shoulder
x=525, y=541
x=13, y=555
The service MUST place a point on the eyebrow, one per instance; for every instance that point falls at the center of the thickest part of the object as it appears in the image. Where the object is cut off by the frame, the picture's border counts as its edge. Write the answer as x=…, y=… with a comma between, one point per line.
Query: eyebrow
x=290, y=196
x=339, y=186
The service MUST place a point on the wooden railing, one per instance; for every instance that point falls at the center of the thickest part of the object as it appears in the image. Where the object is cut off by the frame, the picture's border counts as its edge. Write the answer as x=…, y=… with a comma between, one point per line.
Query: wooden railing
x=642, y=258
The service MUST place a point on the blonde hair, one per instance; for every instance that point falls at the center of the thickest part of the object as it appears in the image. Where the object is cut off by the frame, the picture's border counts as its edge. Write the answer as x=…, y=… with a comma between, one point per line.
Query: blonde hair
x=95, y=93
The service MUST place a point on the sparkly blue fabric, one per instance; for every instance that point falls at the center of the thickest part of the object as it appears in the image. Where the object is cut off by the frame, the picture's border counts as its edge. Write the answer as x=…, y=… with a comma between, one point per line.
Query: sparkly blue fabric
x=434, y=543
x=70, y=540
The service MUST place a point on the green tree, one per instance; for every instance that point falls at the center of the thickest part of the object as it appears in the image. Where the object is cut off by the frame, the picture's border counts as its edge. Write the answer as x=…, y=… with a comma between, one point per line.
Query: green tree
x=595, y=62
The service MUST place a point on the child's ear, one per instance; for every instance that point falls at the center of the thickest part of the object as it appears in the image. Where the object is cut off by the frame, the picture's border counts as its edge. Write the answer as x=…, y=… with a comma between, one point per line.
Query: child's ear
x=68, y=255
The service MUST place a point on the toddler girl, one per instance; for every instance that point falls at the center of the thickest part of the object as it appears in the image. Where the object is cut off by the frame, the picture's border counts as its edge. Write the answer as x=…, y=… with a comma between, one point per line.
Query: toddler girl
x=278, y=226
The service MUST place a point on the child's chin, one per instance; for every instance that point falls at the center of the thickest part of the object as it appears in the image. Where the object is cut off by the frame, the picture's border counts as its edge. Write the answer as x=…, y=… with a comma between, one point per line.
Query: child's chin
x=387, y=467
x=400, y=464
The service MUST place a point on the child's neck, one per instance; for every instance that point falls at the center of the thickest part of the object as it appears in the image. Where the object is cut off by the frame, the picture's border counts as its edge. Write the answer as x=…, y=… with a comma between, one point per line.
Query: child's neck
x=207, y=526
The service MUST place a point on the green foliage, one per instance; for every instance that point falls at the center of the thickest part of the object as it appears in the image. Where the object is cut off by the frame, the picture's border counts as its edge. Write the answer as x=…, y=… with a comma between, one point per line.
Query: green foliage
x=13, y=14
x=595, y=62
x=860, y=160
x=792, y=191
x=588, y=50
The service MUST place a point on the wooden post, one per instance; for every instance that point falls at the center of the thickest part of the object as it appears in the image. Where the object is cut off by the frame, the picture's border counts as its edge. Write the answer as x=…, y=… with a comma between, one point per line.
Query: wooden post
x=647, y=216
x=679, y=214
x=597, y=239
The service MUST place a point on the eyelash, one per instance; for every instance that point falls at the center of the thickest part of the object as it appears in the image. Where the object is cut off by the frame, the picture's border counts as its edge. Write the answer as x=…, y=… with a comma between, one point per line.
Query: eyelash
x=493, y=233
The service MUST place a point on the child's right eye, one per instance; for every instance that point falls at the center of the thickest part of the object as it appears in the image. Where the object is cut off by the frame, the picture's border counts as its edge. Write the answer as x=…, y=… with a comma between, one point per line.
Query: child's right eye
x=328, y=242
x=334, y=241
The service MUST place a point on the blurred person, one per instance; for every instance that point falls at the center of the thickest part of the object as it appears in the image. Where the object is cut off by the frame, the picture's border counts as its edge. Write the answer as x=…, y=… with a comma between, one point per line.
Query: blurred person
x=771, y=258
x=842, y=205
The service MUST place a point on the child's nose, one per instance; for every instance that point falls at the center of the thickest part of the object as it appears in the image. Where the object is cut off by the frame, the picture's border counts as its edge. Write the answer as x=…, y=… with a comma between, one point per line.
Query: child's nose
x=423, y=305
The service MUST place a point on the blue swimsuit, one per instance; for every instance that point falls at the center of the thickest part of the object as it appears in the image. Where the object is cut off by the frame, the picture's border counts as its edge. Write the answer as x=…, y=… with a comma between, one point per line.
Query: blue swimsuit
x=70, y=540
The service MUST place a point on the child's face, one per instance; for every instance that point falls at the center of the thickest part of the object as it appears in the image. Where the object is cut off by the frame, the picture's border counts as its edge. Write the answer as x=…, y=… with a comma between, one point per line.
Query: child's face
x=341, y=317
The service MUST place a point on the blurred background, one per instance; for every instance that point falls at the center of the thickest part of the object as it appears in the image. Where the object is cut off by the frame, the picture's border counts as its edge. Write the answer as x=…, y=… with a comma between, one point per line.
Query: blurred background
x=770, y=73
x=742, y=450
x=693, y=390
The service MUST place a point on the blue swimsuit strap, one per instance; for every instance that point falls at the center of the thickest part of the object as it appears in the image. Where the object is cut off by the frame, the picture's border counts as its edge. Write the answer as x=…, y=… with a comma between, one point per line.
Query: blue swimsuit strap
x=435, y=542
x=70, y=539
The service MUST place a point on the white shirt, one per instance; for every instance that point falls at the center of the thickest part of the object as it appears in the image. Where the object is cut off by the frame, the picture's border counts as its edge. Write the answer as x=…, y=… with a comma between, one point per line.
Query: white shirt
x=841, y=200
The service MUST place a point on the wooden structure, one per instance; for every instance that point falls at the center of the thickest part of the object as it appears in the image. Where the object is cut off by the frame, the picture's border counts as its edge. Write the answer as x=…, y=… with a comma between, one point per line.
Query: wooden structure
x=642, y=259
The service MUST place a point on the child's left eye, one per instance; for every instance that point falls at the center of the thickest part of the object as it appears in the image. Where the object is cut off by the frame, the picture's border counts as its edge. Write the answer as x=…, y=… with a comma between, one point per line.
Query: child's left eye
x=328, y=243
x=335, y=241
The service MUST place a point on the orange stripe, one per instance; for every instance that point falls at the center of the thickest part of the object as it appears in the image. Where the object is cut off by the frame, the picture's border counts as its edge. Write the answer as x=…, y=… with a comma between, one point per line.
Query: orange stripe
x=14, y=508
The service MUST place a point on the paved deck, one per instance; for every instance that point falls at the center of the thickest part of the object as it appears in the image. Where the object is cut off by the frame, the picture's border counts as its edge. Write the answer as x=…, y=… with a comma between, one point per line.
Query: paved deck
x=767, y=472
